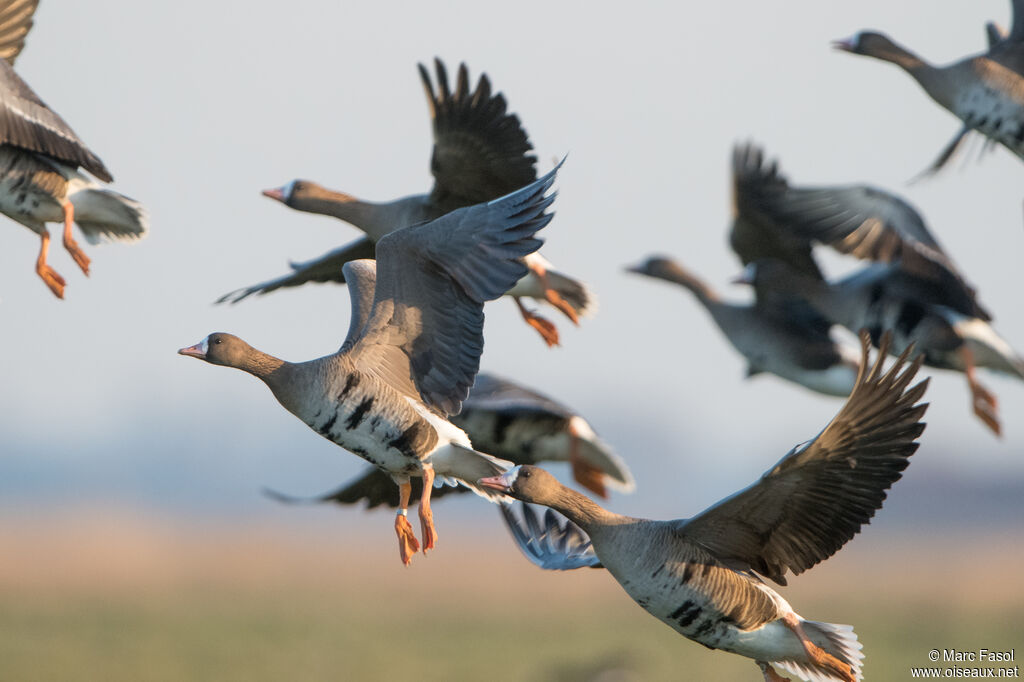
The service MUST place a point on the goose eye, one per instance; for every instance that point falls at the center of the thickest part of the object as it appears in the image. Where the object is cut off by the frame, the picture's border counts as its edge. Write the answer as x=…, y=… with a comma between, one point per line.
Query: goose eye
x=216, y=341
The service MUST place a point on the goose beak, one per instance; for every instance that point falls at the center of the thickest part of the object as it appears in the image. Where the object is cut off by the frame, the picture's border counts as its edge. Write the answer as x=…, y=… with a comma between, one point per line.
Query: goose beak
x=196, y=351
x=846, y=44
x=276, y=193
x=639, y=269
x=501, y=483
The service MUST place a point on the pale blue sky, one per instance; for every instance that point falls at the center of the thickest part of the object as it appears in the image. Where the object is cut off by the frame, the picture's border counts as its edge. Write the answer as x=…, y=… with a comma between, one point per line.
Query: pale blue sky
x=197, y=106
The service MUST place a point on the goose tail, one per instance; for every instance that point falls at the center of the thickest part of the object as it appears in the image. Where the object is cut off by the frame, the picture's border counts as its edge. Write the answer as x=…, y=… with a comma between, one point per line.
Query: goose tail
x=838, y=640
x=106, y=215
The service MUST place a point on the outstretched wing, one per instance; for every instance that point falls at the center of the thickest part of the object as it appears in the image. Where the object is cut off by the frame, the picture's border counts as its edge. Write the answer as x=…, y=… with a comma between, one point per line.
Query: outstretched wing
x=755, y=234
x=374, y=486
x=554, y=544
x=819, y=495
x=480, y=150
x=432, y=282
x=15, y=23
x=27, y=123
x=867, y=223
x=326, y=268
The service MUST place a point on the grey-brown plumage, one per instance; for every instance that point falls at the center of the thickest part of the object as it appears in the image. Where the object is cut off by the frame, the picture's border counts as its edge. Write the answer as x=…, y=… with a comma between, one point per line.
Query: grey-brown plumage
x=913, y=290
x=15, y=23
x=700, y=575
x=39, y=160
x=480, y=152
x=985, y=91
x=779, y=334
x=507, y=420
x=412, y=349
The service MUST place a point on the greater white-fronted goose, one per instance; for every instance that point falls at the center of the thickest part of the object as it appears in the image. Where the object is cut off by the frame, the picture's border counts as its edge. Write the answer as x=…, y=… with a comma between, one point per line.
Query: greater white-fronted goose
x=985, y=91
x=480, y=152
x=412, y=350
x=915, y=290
x=791, y=342
x=702, y=576
x=39, y=158
x=513, y=422
x=777, y=333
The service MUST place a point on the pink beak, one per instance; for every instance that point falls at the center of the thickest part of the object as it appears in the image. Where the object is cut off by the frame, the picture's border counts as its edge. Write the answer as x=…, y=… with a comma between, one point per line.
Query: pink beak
x=196, y=351
x=495, y=483
x=276, y=193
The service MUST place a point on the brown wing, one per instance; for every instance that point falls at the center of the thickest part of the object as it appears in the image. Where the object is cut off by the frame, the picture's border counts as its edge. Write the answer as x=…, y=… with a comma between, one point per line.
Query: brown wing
x=481, y=151
x=26, y=122
x=756, y=234
x=820, y=494
x=432, y=282
x=15, y=23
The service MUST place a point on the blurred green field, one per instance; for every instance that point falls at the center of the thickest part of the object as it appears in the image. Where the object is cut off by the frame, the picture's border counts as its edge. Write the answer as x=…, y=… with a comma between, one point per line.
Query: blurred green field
x=119, y=598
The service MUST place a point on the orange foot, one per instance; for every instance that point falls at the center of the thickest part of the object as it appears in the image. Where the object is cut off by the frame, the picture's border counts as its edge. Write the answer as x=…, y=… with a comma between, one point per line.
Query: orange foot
x=545, y=328
x=985, y=406
x=555, y=299
x=76, y=252
x=52, y=280
x=407, y=544
x=769, y=673
x=585, y=473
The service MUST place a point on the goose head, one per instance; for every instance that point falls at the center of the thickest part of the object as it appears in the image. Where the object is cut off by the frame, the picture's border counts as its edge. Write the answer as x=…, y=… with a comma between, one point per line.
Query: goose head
x=527, y=483
x=304, y=195
x=220, y=349
x=871, y=44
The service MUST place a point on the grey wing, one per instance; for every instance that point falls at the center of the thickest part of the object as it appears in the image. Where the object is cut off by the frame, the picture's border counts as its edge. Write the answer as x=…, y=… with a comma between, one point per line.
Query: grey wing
x=554, y=544
x=15, y=23
x=432, y=282
x=755, y=234
x=818, y=496
x=496, y=394
x=480, y=150
x=374, y=486
x=27, y=123
x=361, y=276
x=326, y=268
x=871, y=224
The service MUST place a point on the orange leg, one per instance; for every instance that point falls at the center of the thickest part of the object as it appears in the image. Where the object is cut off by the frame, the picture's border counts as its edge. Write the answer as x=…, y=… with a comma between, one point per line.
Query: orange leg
x=552, y=296
x=407, y=545
x=49, y=275
x=818, y=656
x=982, y=400
x=426, y=516
x=769, y=673
x=547, y=331
x=585, y=473
x=69, y=243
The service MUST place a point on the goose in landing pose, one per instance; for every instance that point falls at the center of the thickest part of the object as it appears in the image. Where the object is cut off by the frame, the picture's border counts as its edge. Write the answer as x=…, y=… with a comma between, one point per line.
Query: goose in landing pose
x=985, y=91
x=412, y=350
x=480, y=152
x=701, y=576
x=39, y=160
x=513, y=422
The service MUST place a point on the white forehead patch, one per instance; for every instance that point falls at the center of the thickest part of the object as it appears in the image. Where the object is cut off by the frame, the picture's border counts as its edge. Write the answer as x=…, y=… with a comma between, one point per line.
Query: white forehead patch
x=204, y=345
x=287, y=190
